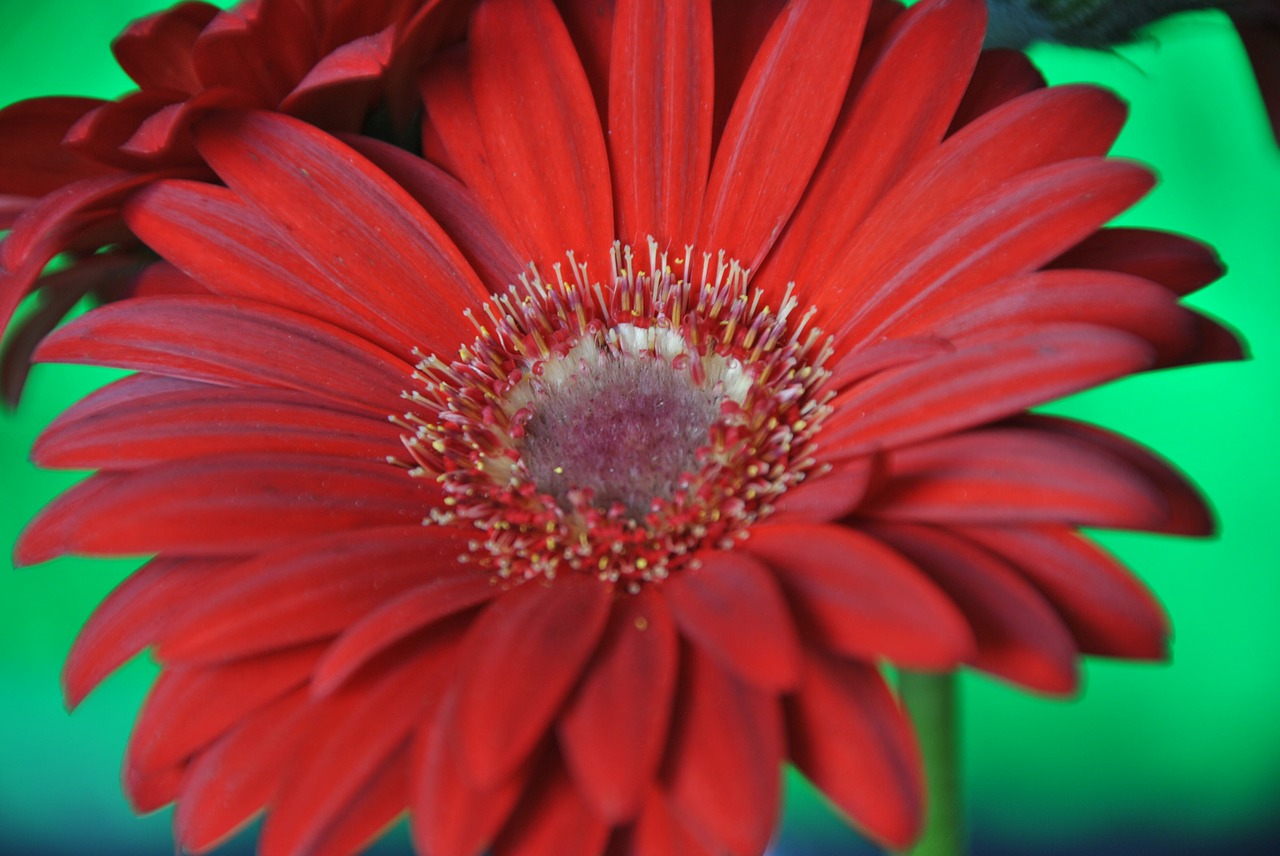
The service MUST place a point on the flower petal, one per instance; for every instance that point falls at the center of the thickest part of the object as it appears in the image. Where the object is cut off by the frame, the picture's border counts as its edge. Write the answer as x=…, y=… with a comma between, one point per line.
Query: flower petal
x=523, y=656
x=656, y=833
x=987, y=377
x=234, y=342
x=830, y=496
x=627, y=689
x=135, y=615
x=191, y=421
x=729, y=605
x=541, y=130
x=1180, y=264
x=189, y=707
x=451, y=816
x=848, y=735
x=762, y=165
x=351, y=221
x=1012, y=475
x=724, y=770
x=858, y=597
x=662, y=86
x=553, y=819
x=310, y=588
x=32, y=160
x=898, y=114
x=225, y=505
x=396, y=619
x=348, y=736
x=1020, y=637
x=155, y=51
x=1108, y=610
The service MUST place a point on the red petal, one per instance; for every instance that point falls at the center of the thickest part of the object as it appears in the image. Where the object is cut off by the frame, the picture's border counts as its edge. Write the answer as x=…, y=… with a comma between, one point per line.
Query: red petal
x=859, y=597
x=1108, y=610
x=1180, y=264
x=725, y=759
x=479, y=235
x=542, y=131
x=190, y=707
x=312, y=589
x=763, y=164
x=238, y=774
x=208, y=233
x=830, y=496
x=1020, y=637
x=32, y=160
x=662, y=85
x=396, y=619
x=234, y=342
x=135, y=615
x=730, y=606
x=366, y=815
x=898, y=114
x=1188, y=512
x=553, y=820
x=348, y=737
x=451, y=817
x=987, y=377
x=148, y=790
x=348, y=219
x=849, y=737
x=220, y=506
x=1010, y=475
x=338, y=92
x=656, y=833
x=1097, y=298
x=1000, y=76
x=627, y=689
x=260, y=49
x=191, y=421
x=523, y=656
x=156, y=50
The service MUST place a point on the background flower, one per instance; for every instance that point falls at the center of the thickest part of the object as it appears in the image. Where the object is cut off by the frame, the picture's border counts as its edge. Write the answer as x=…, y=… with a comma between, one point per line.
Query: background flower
x=1212, y=399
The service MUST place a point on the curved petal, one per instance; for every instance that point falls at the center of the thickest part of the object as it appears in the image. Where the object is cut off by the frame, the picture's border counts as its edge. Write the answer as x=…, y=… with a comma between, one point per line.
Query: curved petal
x=848, y=735
x=232, y=343
x=898, y=113
x=1000, y=76
x=1179, y=263
x=523, y=656
x=553, y=819
x=32, y=160
x=155, y=51
x=1012, y=475
x=856, y=596
x=1020, y=637
x=351, y=221
x=661, y=92
x=988, y=376
x=1109, y=611
x=191, y=422
x=397, y=618
x=451, y=816
x=136, y=614
x=235, y=777
x=308, y=589
x=730, y=606
x=763, y=164
x=542, y=131
x=226, y=505
x=189, y=707
x=627, y=689
x=724, y=771
x=827, y=497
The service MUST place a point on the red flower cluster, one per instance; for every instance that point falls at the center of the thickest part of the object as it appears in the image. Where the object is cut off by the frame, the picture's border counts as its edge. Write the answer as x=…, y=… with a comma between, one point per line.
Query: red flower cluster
x=701, y=341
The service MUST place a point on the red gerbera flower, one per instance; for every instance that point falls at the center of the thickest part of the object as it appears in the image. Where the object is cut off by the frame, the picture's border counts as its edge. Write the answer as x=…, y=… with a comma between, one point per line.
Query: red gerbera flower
x=724, y=341
x=67, y=165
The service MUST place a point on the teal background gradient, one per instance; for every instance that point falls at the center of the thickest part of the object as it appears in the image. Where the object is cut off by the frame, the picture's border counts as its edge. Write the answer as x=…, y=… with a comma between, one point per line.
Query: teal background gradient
x=1172, y=759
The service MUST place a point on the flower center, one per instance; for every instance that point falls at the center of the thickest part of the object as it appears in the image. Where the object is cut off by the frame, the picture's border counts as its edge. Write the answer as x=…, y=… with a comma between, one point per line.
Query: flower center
x=619, y=429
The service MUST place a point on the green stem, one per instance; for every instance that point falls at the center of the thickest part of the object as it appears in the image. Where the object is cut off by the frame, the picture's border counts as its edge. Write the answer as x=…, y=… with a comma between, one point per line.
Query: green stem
x=934, y=704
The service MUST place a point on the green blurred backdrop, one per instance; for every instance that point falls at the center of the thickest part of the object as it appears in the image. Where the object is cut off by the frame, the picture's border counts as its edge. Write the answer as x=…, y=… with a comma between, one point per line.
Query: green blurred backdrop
x=1176, y=759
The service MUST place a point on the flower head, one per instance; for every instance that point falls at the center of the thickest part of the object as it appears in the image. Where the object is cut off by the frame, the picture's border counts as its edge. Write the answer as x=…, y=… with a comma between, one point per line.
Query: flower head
x=67, y=165
x=560, y=486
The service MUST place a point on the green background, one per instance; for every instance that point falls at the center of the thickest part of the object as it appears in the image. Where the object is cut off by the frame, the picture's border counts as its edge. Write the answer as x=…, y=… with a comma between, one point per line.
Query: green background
x=1183, y=758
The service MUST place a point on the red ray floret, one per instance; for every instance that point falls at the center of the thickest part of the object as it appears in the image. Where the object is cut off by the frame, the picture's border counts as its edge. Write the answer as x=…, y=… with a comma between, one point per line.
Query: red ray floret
x=375, y=444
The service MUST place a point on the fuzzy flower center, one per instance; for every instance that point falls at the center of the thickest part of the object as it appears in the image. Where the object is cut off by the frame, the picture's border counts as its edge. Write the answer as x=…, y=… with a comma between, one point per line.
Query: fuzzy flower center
x=616, y=429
